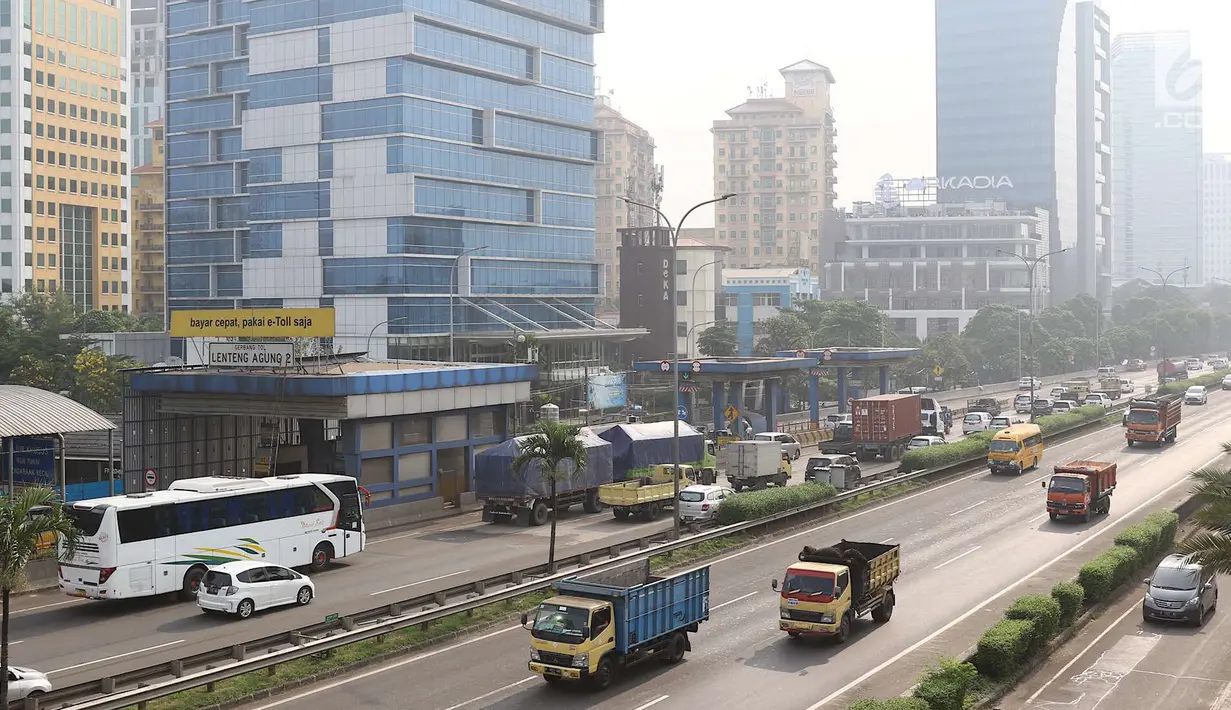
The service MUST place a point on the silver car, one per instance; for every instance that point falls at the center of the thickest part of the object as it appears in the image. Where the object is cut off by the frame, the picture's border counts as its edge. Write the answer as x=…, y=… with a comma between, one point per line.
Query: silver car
x=700, y=503
x=790, y=445
x=27, y=683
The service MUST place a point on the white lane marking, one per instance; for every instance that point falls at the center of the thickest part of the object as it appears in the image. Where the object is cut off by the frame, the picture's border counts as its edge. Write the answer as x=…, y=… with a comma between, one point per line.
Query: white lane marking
x=1040, y=478
x=116, y=656
x=737, y=599
x=969, y=507
x=886, y=541
x=1039, y=517
x=652, y=703
x=14, y=643
x=485, y=696
x=1094, y=535
x=972, y=550
x=1131, y=608
x=1223, y=701
x=422, y=581
x=45, y=606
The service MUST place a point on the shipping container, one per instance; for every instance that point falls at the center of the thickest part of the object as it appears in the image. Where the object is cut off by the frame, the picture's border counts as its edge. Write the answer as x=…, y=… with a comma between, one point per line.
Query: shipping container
x=884, y=424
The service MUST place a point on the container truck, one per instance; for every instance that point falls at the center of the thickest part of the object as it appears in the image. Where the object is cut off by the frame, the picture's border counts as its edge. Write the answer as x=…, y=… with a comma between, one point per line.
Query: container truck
x=754, y=464
x=830, y=587
x=596, y=625
x=644, y=497
x=525, y=496
x=1154, y=418
x=1172, y=369
x=1081, y=489
x=884, y=424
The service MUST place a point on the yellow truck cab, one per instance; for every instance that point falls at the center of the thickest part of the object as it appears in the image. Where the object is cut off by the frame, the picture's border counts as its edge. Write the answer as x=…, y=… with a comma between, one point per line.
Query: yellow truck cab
x=830, y=587
x=1015, y=449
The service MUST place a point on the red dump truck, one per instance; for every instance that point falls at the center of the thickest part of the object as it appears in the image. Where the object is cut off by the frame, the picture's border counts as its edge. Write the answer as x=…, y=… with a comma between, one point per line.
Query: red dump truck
x=1081, y=488
x=1154, y=419
x=884, y=424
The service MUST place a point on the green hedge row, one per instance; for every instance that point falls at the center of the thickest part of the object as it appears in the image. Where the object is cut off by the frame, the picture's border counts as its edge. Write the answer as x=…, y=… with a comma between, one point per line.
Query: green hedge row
x=750, y=505
x=1034, y=620
x=1213, y=379
x=975, y=445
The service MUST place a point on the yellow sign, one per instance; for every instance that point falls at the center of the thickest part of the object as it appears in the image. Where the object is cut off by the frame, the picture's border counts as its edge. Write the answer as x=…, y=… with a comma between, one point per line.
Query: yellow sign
x=254, y=323
x=938, y=371
x=731, y=412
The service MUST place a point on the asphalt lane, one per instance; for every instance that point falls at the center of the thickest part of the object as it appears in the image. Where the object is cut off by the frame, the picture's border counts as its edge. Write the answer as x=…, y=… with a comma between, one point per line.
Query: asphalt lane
x=134, y=634
x=1118, y=661
x=964, y=543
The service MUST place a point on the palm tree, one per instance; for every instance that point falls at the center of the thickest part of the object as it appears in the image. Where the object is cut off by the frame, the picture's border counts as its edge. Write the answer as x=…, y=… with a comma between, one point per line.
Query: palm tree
x=559, y=454
x=1212, y=545
x=20, y=534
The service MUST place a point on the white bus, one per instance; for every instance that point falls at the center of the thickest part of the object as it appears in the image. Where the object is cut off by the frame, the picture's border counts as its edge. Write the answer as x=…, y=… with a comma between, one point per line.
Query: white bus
x=142, y=544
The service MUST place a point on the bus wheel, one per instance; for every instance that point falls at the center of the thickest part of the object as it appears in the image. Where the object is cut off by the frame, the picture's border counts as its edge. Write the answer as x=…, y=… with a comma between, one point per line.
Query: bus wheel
x=192, y=582
x=320, y=557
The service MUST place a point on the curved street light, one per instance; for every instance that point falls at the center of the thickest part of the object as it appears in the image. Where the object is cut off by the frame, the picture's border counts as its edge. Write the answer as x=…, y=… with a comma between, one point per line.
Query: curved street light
x=452, y=291
x=1162, y=350
x=1031, y=265
x=693, y=305
x=675, y=369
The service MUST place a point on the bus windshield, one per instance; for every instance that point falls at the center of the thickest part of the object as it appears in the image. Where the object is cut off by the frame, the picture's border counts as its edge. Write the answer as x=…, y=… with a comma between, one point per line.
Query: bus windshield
x=1004, y=446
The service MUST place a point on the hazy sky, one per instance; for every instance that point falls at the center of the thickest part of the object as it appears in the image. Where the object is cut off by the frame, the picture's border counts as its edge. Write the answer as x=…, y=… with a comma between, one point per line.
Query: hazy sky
x=677, y=65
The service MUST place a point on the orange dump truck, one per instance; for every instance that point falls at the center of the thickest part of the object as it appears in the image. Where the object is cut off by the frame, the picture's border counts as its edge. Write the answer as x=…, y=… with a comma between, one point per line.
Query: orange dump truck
x=1081, y=488
x=1153, y=419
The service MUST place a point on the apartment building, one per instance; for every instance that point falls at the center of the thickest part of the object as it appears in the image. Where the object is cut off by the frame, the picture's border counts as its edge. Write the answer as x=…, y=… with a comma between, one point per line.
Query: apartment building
x=626, y=169
x=64, y=151
x=932, y=267
x=778, y=154
x=1216, y=217
x=149, y=200
x=148, y=64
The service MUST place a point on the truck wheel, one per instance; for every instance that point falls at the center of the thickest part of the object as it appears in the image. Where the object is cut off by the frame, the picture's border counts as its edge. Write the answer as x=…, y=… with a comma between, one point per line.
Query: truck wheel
x=1052, y=515
x=758, y=484
x=884, y=612
x=538, y=514
x=650, y=512
x=591, y=504
x=793, y=634
x=783, y=480
x=1107, y=507
x=674, y=653
x=620, y=513
x=737, y=487
x=553, y=681
x=844, y=629
x=1130, y=443
x=1085, y=517
x=603, y=675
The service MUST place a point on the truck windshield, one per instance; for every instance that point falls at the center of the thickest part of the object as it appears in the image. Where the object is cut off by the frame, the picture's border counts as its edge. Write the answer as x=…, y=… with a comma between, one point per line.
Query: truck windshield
x=1006, y=446
x=808, y=584
x=564, y=624
x=1142, y=416
x=1062, y=484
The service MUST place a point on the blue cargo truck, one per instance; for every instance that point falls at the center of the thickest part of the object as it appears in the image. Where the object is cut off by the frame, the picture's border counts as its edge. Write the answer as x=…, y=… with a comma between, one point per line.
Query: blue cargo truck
x=600, y=623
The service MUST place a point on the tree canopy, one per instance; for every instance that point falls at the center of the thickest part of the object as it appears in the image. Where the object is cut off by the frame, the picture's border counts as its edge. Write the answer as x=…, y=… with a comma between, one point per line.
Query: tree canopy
x=718, y=341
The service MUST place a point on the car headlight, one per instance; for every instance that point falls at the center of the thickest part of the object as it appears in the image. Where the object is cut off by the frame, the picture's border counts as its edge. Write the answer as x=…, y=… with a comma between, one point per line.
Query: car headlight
x=784, y=614
x=827, y=618
x=534, y=655
x=581, y=660
x=1193, y=601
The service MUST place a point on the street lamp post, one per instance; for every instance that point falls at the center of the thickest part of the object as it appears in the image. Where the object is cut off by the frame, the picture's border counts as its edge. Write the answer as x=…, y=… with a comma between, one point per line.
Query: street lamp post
x=693, y=306
x=453, y=272
x=1162, y=350
x=1031, y=265
x=675, y=369
x=368, y=346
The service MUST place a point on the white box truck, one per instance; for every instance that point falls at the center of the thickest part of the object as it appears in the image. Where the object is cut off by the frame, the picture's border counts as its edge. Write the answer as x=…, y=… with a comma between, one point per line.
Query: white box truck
x=754, y=464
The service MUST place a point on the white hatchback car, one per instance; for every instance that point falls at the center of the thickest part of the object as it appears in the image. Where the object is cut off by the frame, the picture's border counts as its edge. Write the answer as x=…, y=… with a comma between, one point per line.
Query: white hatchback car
x=1100, y=399
x=242, y=588
x=1063, y=406
x=27, y=683
x=976, y=421
x=700, y=503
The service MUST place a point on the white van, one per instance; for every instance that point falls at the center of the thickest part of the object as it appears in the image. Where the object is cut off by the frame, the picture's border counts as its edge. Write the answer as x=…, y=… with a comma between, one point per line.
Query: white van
x=1107, y=371
x=976, y=421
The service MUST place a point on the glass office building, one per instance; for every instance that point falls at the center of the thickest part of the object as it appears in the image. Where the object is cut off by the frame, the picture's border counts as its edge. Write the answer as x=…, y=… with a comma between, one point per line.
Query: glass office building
x=1016, y=118
x=385, y=158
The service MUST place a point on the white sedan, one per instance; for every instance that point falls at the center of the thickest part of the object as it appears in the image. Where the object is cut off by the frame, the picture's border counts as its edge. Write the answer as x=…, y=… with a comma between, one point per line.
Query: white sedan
x=700, y=503
x=242, y=588
x=1195, y=395
x=27, y=683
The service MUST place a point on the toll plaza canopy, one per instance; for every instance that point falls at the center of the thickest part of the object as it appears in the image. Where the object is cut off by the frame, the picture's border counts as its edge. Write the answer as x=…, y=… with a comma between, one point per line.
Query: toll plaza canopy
x=841, y=360
x=27, y=416
x=726, y=377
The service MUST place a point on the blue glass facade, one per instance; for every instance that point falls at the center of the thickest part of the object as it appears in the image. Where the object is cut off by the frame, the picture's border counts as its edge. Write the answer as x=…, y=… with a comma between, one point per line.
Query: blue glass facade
x=476, y=132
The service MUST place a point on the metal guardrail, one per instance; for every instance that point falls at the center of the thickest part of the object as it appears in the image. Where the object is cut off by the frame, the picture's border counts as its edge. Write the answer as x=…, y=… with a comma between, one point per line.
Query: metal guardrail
x=319, y=638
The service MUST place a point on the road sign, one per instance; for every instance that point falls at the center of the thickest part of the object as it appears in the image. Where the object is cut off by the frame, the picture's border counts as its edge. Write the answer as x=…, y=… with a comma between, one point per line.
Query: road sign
x=800, y=353
x=151, y=478
x=1151, y=349
x=330, y=618
x=252, y=355
x=827, y=355
x=820, y=372
x=664, y=366
x=850, y=402
x=1072, y=358
x=731, y=412
x=938, y=371
x=682, y=412
x=696, y=365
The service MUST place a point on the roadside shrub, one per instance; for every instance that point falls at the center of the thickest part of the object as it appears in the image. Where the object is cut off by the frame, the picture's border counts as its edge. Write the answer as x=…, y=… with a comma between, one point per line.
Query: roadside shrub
x=944, y=686
x=890, y=704
x=1126, y=561
x=1097, y=578
x=1044, y=611
x=1210, y=380
x=1144, y=538
x=970, y=448
x=1052, y=423
x=1004, y=647
x=1070, y=596
x=1168, y=523
x=750, y=505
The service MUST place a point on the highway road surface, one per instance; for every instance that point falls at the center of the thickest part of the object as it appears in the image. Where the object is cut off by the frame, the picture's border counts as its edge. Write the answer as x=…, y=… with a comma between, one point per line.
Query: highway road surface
x=968, y=547
x=133, y=634
x=1119, y=662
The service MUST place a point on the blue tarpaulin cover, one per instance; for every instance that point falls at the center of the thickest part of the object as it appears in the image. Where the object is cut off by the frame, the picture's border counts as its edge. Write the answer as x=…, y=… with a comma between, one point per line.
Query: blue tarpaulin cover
x=644, y=445
x=494, y=476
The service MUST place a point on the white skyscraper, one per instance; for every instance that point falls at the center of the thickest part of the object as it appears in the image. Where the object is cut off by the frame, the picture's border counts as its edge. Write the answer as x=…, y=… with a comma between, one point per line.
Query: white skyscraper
x=1216, y=217
x=1156, y=174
